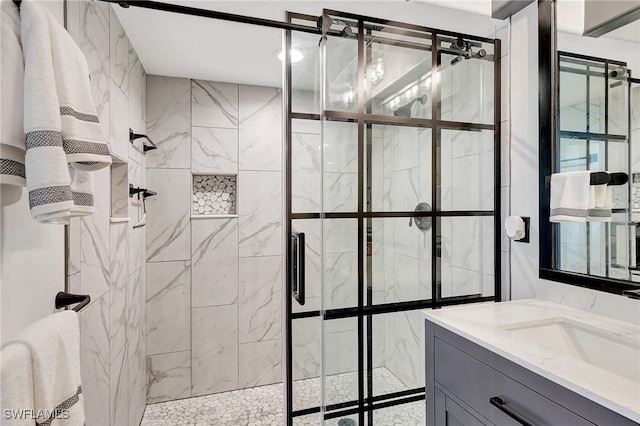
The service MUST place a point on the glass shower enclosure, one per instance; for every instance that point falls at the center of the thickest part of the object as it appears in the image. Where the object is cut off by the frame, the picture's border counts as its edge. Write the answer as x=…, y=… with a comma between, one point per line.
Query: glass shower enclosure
x=392, y=200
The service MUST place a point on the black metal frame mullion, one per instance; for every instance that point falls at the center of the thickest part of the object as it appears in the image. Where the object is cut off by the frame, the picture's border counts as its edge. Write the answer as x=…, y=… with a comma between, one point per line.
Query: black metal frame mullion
x=588, y=151
x=360, y=192
x=436, y=292
x=607, y=227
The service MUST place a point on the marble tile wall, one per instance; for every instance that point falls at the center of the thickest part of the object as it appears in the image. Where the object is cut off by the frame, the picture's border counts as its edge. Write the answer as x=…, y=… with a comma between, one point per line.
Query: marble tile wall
x=214, y=293
x=105, y=258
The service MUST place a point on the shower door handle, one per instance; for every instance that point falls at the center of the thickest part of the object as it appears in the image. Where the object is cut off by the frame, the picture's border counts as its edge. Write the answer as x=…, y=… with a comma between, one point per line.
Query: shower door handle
x=297, y=272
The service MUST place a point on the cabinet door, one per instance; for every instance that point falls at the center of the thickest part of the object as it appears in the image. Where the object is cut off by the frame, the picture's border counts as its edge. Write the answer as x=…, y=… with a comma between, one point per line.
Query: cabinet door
x=449, y=413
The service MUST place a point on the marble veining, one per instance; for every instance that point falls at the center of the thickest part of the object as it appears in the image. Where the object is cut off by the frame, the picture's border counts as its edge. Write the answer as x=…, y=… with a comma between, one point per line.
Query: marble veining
x=118, y=390
x=214, y=104
x=136, y=348
x=119, y=142
x=260, y=307
x=168, y=215
x=94, y=43
x=168, y=302
x=259, y=363
x=259, y=210
x=94, y=360
x=214, y=258
x=118, y=279
x=169, y=376
x=214, y=349
x=94, y=239
x=119, y=53
x=168, y=122
x=214, y=150
x=260, y=108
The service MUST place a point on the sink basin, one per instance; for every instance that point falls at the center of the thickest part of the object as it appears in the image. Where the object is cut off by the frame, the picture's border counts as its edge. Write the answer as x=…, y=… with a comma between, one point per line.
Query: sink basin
x=617, y=354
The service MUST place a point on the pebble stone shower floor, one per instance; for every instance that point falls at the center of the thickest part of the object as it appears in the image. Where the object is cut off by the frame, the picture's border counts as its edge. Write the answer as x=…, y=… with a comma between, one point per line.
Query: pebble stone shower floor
x=263, y=406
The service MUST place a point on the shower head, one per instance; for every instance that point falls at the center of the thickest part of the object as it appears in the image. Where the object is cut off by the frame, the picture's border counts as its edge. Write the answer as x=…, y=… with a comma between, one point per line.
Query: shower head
x=405, y=111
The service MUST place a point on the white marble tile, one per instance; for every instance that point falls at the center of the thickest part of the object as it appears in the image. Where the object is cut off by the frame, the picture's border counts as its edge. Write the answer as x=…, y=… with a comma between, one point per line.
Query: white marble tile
x=260, y=363
x=119, y=190
x=340, y=147
x=119, y=123
x=340, y=280
x=465, y=243
x=214, y=104
x=306, y=348
x=260, y=305
x=168, y=122
x=118, y=279
x=118, y=390
x=168, y=307
x=305, y=101
x=466, y=183
x=214, y=334
x=94, y=360
x=407, y=273
x=214, y=257
x=136, y=236
x=406, y=188
x=340, y=235
x=169, y=376
x=118, y=53
x=340, y=192
x=306, y=178
x=341, y=350
x=136, y=347
x=168, y=215
x=137, y=121
x=405, y=146
x=94, y=239
x=73, y=263
x=260, y=212
x=94, y=43
x=214, y=150
x=260, y=128
x=465, y=143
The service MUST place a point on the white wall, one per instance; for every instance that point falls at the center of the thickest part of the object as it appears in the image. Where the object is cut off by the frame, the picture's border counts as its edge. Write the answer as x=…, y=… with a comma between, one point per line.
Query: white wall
x=31, y=254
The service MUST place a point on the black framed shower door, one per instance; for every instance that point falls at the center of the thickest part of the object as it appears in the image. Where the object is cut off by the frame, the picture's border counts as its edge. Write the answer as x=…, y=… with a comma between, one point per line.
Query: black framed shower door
x=393, y=183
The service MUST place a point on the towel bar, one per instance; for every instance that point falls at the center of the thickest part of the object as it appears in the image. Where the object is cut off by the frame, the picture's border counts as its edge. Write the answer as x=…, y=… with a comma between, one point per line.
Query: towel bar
x=146, y=146
x=65, y=299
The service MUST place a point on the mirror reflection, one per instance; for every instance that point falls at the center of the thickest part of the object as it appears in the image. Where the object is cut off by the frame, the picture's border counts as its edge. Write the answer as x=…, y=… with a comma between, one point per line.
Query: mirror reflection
x=598, y=130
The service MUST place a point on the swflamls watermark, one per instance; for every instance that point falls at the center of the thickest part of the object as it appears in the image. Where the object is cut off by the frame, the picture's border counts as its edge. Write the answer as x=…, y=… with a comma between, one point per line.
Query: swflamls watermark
x=28, y=413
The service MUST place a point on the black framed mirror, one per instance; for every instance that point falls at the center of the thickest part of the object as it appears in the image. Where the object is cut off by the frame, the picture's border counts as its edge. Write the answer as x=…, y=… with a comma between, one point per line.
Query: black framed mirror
x=589, y=127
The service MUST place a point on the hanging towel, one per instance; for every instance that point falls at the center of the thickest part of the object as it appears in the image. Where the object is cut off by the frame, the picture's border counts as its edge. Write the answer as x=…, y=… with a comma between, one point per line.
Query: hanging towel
x=601, y=211
x=54, y=343
x=16, y=385
x=12, y=145
x=60, y=119
x=82, y=190
x=571, y=196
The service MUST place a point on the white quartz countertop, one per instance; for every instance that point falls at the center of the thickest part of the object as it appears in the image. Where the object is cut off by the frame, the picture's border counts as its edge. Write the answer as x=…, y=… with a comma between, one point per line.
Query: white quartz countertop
x=489, y=324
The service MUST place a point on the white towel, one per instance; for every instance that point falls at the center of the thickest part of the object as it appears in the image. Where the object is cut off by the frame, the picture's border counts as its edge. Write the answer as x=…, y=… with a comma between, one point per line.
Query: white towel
x=571, y=196
x=601, y=211
x=60, y=119
x=16, y=385
x=82, y=190
x=54, y=343
x=12, y=145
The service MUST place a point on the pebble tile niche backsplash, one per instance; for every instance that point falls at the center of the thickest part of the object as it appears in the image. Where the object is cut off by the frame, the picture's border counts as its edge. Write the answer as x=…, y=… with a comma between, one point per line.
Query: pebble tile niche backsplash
x=214, y=195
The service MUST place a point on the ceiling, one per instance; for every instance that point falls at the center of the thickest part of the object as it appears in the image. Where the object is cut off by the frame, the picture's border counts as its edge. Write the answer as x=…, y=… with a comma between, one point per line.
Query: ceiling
x=629, y=32
x=186, y=46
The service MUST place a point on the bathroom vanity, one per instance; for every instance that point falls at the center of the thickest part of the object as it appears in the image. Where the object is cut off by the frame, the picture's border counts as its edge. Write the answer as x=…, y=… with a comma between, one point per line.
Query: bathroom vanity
x=530, y=362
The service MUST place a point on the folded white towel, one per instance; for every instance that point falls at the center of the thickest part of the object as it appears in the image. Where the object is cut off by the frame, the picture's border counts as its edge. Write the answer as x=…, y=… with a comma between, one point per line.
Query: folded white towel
x=571, y=196
x=12, y=140
x=82, y=190
x=54, y=343
x=60, y=120
x=601, y=211
x=16, y=385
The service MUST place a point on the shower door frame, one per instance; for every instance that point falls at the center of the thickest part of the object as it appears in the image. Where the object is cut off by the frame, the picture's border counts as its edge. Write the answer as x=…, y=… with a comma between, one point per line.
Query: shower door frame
x=368, y=403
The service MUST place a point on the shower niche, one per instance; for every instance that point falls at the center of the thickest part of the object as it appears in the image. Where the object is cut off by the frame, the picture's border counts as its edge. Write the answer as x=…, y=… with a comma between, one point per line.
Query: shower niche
x=214, y=195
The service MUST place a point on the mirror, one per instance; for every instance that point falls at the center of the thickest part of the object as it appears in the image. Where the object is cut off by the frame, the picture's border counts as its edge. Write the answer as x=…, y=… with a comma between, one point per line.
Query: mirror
x=597, y=129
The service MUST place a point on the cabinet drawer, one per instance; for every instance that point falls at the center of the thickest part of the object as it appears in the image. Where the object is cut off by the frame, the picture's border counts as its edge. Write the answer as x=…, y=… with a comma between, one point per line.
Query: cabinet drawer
x=476, y=383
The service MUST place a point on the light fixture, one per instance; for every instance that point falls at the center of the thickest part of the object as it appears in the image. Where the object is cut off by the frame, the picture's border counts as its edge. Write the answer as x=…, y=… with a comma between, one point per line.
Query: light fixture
x=296, y=55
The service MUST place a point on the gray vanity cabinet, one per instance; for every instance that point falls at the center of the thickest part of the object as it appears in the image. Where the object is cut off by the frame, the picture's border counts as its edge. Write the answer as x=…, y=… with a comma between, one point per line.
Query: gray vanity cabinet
x=469, y=385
